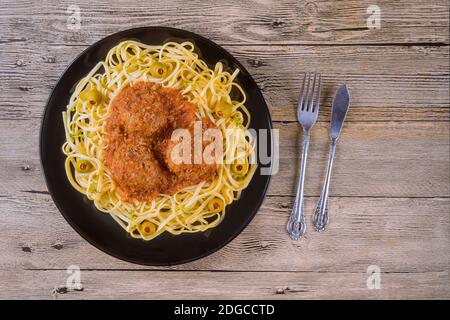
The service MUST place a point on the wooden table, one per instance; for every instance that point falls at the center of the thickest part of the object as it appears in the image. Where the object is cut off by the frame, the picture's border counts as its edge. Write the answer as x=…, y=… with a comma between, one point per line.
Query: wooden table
x=390, y=187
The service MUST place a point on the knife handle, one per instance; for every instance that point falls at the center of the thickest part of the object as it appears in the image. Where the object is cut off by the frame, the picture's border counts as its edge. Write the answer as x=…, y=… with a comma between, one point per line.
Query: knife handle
x=320, y=216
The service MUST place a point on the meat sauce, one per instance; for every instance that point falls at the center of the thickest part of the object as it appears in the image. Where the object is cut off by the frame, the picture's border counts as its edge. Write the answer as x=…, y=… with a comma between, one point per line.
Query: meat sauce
x=138, y=136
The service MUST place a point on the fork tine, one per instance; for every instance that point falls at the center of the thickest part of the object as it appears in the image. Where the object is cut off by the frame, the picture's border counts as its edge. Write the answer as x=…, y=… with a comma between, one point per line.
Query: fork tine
x=311, y=104
x=305, y=105
x=302, y=94
x=317, y=95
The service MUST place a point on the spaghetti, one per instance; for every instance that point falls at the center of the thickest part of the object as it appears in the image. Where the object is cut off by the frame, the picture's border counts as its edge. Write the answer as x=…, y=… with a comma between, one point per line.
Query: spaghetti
x=217, y=97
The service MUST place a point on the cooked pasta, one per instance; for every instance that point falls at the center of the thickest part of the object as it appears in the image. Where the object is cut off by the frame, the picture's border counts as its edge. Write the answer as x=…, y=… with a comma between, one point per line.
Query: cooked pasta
x=217, y=97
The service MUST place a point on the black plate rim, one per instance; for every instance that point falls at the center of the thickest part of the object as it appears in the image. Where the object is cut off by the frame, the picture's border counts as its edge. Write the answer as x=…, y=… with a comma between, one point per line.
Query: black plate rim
x=79, y=230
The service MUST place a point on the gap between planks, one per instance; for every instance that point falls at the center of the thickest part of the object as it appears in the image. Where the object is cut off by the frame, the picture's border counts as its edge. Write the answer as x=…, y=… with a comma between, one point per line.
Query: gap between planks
x=45, y=192
x=263, y=44
x=138, y=269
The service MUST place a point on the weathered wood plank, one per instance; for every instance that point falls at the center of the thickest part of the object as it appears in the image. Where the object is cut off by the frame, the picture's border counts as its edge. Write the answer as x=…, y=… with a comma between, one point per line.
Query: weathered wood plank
x=383, y=159
x=399, y=235
x=402, y=83
x=223, y=285
x=256, y=22
x=392, y=159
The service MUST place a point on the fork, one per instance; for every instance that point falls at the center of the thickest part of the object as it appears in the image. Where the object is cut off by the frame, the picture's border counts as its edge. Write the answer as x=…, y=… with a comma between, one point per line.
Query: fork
x=307, y=111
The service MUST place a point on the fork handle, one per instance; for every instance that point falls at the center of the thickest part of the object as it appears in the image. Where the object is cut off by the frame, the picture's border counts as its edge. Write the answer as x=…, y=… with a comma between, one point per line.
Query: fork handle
x=320, y=217
x=296, y=225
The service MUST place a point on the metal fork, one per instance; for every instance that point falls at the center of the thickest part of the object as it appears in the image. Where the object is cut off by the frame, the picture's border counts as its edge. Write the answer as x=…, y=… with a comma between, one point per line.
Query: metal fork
x=307, y=111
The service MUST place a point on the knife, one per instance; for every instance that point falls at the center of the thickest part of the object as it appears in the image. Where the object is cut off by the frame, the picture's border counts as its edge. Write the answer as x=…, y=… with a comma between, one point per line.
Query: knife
x=341, y=102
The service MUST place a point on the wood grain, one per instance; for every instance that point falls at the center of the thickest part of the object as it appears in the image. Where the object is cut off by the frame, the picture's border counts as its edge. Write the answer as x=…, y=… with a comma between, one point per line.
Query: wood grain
x=390, y=190
x=379, y=159
x=398, y=235
x=32, y=284
x=401, y=84
x=288, y=22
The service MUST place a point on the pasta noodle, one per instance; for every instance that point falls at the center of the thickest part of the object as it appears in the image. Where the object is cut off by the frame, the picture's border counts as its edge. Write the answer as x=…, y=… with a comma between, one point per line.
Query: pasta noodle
x=176, y=65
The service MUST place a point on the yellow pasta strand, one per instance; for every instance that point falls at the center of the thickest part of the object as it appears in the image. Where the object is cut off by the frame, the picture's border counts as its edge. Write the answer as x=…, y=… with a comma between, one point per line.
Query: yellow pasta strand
x=173, y=65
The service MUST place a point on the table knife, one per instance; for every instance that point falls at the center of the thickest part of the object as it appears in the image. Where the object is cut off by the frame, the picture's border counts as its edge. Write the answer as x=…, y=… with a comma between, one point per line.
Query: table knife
x=341, y=102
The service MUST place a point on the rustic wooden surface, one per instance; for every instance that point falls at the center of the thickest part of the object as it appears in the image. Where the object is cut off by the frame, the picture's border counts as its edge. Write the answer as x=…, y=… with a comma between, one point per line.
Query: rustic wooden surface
x=390, y=189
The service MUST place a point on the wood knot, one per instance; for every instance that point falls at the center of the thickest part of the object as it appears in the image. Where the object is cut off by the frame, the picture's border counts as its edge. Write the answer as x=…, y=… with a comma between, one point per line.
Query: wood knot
x=26, y=248
x=26, y=168
x=284, y=206
x=64, y=290
x=256, y=63
x=60, y=290
x=58, y=245
x=20, y=63
x=282, y=290
x=49, y=59
x=277, y=24
x=264, y=244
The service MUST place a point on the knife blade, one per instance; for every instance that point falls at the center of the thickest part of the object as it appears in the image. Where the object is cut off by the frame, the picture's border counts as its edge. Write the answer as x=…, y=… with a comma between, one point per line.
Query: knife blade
x=341, y=101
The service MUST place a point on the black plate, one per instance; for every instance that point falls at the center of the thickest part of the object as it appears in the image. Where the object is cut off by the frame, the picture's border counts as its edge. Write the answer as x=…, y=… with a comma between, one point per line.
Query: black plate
x=100, y=229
